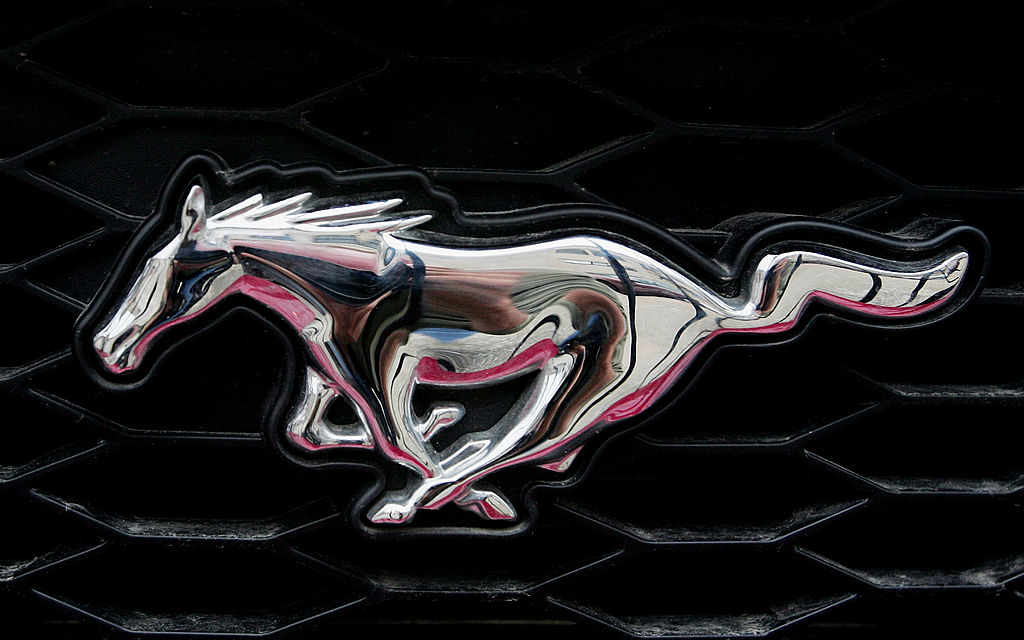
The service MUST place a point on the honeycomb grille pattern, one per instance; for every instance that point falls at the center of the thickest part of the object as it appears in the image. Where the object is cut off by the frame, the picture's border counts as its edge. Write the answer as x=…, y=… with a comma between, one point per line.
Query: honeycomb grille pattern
x=869, y=487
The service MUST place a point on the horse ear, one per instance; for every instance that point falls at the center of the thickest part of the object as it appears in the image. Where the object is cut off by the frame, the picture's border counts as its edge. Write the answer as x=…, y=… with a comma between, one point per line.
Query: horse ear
x=193, y=212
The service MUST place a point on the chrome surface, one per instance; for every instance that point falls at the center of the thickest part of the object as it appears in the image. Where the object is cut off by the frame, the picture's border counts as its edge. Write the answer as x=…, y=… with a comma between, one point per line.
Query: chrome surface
x=603, y=330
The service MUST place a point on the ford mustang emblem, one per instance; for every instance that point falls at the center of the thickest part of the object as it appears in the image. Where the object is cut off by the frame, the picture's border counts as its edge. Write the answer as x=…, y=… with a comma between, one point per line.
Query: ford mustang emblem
x=390, y=292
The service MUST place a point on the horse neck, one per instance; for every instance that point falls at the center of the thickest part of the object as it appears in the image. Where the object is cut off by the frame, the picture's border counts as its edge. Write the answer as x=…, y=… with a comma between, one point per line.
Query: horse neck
x=348, y=251
x=304, y=284
x=258, y=276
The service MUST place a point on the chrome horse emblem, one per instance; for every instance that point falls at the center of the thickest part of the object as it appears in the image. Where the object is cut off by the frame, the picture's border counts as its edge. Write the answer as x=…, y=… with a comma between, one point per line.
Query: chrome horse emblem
x=602, y=329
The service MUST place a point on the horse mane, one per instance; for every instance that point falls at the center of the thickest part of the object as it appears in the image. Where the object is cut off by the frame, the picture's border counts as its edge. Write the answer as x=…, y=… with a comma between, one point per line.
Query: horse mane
x=302, y=213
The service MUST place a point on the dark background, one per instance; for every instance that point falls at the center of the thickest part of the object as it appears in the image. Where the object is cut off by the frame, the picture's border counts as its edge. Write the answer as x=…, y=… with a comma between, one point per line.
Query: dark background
x=849, y=484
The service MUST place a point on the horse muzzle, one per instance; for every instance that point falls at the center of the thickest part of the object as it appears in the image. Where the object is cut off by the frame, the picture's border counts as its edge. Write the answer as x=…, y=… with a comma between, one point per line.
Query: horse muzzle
x=117, y=347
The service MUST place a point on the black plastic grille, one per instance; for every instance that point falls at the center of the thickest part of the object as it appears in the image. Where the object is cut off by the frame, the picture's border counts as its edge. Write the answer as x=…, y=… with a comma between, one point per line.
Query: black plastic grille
x=851, y=483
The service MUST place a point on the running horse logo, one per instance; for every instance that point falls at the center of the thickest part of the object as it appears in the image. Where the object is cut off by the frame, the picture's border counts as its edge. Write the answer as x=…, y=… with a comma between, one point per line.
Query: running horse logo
x=603, y=329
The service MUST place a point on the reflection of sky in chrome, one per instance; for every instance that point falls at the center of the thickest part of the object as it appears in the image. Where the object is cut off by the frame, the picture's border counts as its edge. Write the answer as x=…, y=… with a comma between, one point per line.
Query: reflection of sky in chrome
x=605, y=330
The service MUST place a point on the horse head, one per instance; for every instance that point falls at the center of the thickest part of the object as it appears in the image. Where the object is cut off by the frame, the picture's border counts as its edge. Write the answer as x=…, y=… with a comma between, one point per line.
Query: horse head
x=271, y=250
x=177, y=281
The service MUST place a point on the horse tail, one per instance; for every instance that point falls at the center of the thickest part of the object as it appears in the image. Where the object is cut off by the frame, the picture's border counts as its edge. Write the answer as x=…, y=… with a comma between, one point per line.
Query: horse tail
x=782, y=284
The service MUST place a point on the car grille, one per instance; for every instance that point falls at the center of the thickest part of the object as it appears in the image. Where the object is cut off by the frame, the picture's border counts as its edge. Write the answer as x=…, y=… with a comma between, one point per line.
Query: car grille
x=849, y=483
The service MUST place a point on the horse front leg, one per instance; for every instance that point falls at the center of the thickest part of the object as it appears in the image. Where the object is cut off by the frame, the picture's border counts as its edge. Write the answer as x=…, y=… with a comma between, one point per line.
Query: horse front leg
x=307, y=424
x=409, y=438
x=477, y=454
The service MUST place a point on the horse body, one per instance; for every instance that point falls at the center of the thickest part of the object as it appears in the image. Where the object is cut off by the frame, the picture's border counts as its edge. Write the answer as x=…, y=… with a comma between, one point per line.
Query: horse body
x=603, y=329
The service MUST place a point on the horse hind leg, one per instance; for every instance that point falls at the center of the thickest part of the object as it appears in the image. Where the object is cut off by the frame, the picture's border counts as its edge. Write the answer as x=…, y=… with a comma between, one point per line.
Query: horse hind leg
x=400, y=506
x=489, y=504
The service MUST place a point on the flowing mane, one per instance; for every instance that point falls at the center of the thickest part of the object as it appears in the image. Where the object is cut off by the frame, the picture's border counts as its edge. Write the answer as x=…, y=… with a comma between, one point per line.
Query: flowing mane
x=304, y=213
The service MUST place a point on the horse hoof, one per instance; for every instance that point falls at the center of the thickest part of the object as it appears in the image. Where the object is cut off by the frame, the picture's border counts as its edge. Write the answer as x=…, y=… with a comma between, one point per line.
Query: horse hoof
x=392, y=513
x=489, y=505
